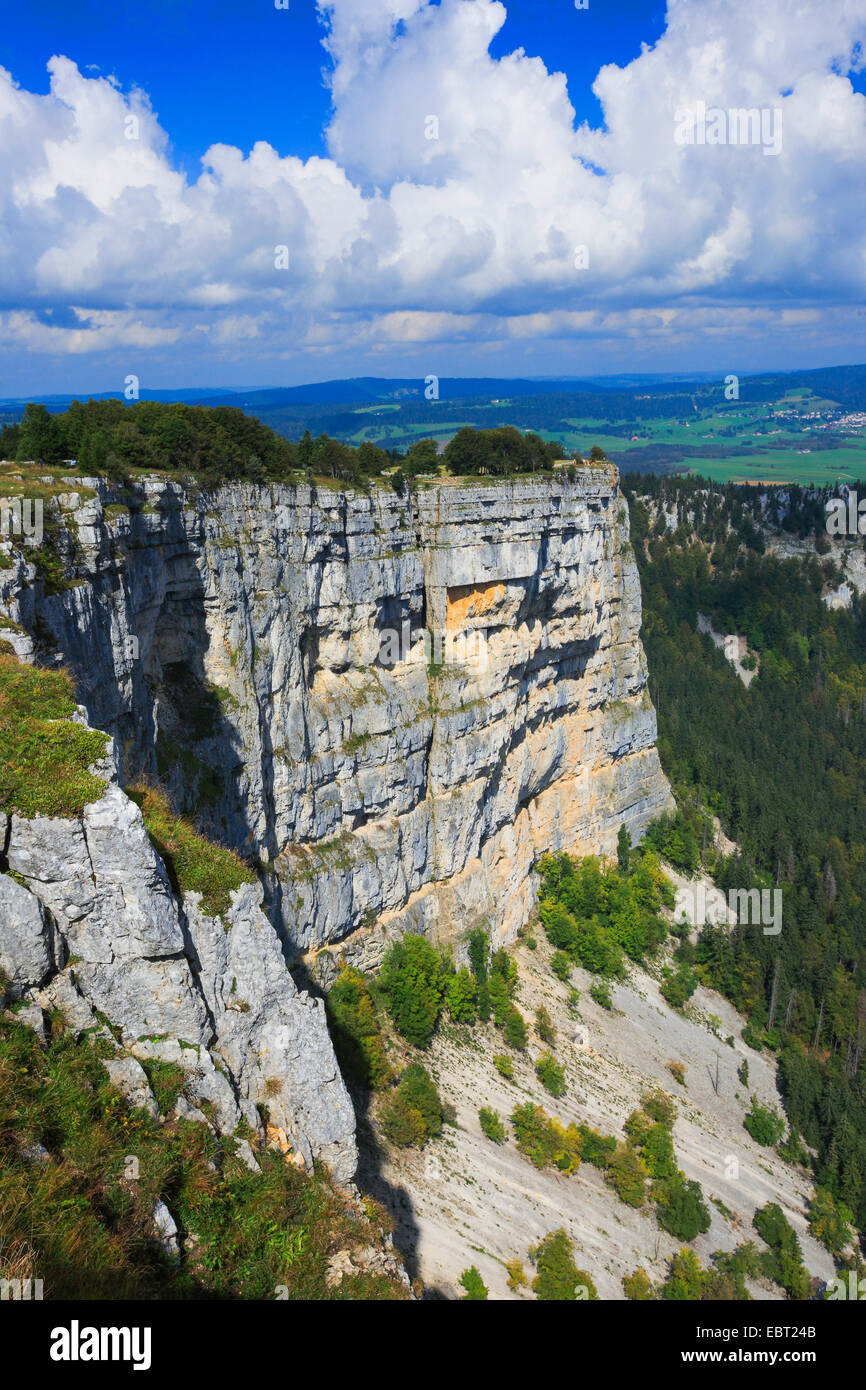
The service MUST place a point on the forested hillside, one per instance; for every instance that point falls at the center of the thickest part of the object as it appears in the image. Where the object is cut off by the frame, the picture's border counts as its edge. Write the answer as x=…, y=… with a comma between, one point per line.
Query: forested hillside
x=783, y=765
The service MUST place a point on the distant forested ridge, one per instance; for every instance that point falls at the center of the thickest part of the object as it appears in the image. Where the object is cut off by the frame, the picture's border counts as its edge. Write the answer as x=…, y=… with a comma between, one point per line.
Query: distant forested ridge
x=783, y=765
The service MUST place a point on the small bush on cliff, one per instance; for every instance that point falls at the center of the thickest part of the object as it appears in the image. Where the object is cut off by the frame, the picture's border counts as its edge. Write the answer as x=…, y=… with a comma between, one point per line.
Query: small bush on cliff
x=658, y=1153
x=783, y=1262
x=679, y=985
x=491, y=1125
x=551, y=1074
x=660, y=1107
x=561, y=966
x=600, y=992
x=544, y=1141
x=514, y=1029
x=627, y=1175
x=598, y=1148
x=765, y=1126
x=355, y=1030
x=412, y=1113
x=686, y=1279
x=544, y=1026
x=558, y=1278
x=195, y=864
x=504, y=1065
x=401, y=1124
x=830, y=1221
x=678, y=1072
x=680, y=1207
x=412, y=981
x=637, y=1286
x=44, y=757
x=474, y=1286
x=417, y=1089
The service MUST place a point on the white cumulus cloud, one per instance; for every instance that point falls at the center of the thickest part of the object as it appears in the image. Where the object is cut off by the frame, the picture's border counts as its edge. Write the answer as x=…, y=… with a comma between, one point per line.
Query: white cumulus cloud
x=456, y=197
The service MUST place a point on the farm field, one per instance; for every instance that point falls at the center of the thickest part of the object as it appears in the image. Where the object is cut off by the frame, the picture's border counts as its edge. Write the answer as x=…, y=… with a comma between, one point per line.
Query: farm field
x=787, y=466
x=729, y=441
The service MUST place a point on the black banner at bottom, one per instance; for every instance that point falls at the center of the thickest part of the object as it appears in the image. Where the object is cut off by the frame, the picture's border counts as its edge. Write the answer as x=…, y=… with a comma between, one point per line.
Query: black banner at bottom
x=201, y=1337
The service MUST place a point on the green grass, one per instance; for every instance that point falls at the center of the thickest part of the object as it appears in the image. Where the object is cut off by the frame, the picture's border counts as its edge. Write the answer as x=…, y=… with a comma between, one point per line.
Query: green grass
x=166, y=1081
x=355, y=742
x=786, y=466
x=26, y=480
x=82, y=1223
x=195, y=864
x=49, y=568
x=44, y=757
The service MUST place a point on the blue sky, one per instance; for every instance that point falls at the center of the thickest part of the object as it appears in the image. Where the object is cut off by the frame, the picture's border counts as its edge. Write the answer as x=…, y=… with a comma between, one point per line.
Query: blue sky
x=535, y=227
x=225, y=71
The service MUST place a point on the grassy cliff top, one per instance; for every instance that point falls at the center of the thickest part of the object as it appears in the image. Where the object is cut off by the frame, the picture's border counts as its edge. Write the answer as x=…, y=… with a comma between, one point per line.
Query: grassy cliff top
x=44, y=756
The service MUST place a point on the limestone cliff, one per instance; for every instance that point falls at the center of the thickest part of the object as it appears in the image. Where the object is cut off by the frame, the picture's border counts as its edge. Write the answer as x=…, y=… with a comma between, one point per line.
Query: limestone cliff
x=262, y=649
x=90, y=925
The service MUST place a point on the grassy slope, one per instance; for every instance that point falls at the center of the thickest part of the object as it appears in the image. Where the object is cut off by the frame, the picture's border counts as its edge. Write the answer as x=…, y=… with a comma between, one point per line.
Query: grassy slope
x=76, y=1221
x=194, y=863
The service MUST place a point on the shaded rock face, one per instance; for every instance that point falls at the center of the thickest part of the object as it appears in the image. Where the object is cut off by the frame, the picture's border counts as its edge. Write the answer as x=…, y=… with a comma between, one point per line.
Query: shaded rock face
x=90, y=925
x=263, y=649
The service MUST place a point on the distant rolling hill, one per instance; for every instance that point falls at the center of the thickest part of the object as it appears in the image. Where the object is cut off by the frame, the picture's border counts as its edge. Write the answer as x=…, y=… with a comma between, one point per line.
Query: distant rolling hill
x=368, y=390
x=845, y=384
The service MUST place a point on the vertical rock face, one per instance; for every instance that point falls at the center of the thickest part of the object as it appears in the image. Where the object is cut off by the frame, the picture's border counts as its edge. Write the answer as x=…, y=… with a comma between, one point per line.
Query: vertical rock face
x=268, y=651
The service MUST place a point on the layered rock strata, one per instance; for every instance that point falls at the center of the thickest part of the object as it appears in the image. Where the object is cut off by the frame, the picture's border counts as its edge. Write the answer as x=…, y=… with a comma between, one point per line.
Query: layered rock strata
x=393, y=703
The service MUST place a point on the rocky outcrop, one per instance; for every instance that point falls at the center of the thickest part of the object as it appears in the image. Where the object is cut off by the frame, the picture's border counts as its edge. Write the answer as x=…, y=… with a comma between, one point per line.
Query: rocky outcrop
x=267, y=651
x=29, y=945
x=129, y=1077
x=273, y=1039
x=90, y=925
